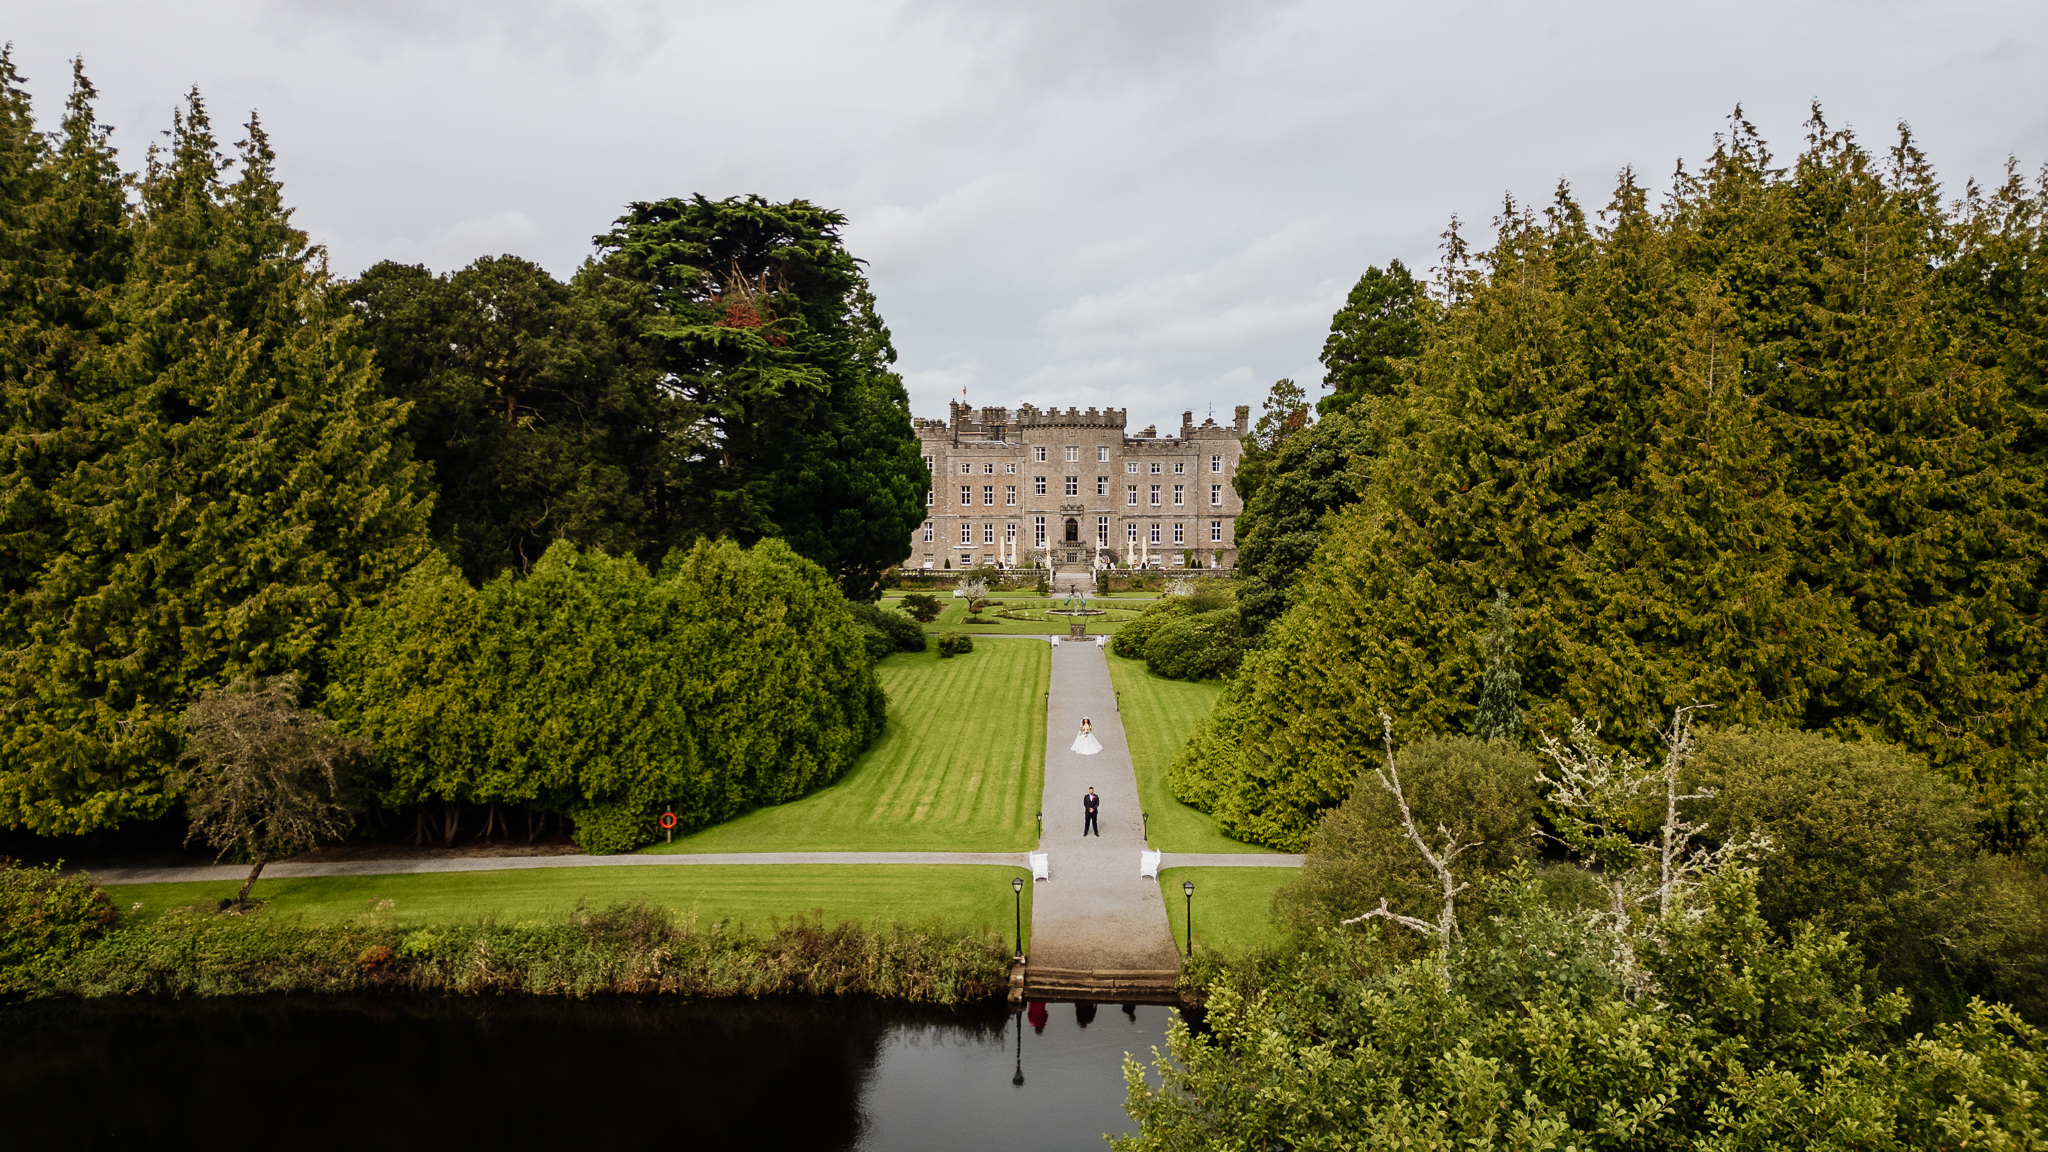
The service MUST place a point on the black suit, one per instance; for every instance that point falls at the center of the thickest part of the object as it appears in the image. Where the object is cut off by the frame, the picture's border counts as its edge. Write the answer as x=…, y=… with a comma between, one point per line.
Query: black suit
x=1088, y=805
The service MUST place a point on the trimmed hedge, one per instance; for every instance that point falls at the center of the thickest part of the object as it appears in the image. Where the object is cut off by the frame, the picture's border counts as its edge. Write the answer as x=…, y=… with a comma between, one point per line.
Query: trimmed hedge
x=592, y=688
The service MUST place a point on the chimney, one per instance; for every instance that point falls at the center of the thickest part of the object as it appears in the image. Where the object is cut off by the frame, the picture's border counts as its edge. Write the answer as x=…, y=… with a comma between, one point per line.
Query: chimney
x=1244, y=418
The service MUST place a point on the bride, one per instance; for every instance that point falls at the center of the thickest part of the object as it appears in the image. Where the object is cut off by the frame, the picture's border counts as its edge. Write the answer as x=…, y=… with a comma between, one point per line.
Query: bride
x=1086, y=743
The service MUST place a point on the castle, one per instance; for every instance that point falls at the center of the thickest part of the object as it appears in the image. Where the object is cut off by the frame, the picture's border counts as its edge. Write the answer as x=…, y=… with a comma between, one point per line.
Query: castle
x=1056, y=488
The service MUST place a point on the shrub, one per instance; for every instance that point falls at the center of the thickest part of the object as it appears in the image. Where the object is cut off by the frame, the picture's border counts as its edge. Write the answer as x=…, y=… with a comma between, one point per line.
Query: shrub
x=45, y=918
x=900, y=632
x=1199, y=647
x=922, y=607
x=1868, y=841
x=953, y=644
x=1484, y=792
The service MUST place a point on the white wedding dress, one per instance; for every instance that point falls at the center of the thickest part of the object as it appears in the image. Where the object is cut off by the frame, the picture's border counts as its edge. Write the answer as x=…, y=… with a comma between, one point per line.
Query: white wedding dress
x=1086, y=744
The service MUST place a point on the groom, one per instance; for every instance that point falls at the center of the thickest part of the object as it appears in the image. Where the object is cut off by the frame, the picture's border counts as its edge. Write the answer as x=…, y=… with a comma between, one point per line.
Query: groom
x=1088, y=805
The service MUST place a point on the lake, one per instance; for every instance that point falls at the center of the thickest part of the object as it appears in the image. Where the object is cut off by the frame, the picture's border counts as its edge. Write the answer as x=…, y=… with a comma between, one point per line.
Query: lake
x=304, y=1073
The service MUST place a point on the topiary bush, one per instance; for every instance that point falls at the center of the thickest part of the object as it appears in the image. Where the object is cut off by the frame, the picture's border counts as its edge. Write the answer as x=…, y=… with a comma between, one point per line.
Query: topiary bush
x=953, y=644
x=922, y=607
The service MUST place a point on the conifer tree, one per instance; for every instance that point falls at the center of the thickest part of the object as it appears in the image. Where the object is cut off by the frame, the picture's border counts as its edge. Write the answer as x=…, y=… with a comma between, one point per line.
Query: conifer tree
x=239, y=485
x=1499, y=715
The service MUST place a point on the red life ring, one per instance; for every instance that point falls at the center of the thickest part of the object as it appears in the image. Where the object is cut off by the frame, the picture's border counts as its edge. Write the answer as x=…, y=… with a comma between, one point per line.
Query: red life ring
x=668, y=819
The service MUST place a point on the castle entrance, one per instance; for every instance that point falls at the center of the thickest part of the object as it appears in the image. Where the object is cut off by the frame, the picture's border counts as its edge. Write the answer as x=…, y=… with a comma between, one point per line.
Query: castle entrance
x=1073, y=530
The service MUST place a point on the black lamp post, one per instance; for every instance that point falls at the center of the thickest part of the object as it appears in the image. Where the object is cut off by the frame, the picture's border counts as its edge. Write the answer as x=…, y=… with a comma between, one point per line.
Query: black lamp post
x=1041, y=824
x=1146, y=831
x=1017, y=889
x=1187, y=888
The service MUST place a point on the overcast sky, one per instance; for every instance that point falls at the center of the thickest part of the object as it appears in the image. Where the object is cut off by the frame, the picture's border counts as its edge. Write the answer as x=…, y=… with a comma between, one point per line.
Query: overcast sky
x=1111, y=202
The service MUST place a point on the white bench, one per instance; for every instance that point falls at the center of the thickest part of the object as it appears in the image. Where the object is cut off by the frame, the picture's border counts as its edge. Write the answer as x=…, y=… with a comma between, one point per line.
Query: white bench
x=1041, y=868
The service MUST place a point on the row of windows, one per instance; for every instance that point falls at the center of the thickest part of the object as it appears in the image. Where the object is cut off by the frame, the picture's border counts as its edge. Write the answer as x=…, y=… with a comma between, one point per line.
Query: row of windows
x=988, y=468
x=1073, y=488
x=988, y=532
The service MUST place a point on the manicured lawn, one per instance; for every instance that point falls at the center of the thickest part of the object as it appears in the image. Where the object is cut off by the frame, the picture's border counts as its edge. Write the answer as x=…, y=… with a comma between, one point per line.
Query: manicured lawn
x=960, y=896
x=1159, y=715
x=953, y=618
x=960, y=768
x=1233, y=906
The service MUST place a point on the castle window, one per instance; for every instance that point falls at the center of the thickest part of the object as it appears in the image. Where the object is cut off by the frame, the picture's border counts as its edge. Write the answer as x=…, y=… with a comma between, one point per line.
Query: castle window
x=1130, y=533
x=928, y=464
x=1102, y=531
x=1073, y=485
x=927, y=531
x=1215, y=463
x=1215, y=531
x=967, y=468
x=1179, y=535
x=988, y=494
x=1010, y=495
x=1038, y=530
x=1180, y=494
x=1038, y=454
x=1009, y=533
x=931, y=496
x=1155, y=494
x=1009, y=469
x=966, y=494
x=988, y=533
x=966, y=533
x=1038, y=485
x=1179, y=467
x=1102, y=485
x=989, y=469
x=1155, y=468
x=1155, y=534
x=1131, y=495
x=1073, y=453
x=1216, y=495
x=1101, y=455
x=1131, y=468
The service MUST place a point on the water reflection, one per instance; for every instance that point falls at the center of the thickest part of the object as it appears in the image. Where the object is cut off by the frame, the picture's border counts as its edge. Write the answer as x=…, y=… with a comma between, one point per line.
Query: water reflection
x=444, y=1073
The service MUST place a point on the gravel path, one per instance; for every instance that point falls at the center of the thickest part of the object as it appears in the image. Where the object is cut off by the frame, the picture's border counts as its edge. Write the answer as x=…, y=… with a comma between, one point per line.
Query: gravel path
x=1095, y=912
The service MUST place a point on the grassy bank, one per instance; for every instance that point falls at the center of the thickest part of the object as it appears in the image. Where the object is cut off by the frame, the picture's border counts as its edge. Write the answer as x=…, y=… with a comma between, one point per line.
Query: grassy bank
x=960, y=768
x=958, y=898
x=1233, y=906
x=1159, y=715
x=920, y=934
x=635, y=949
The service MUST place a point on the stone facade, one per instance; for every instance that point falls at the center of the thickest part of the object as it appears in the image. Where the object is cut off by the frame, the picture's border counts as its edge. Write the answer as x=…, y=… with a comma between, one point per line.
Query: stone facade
x=1061, y=489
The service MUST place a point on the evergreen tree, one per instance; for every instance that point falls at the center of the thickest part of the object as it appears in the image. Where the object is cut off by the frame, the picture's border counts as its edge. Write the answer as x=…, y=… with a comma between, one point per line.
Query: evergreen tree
x=790, y=421
x=239, y=483
x=1379, y=324
x=1499, y=715
x=534, y=401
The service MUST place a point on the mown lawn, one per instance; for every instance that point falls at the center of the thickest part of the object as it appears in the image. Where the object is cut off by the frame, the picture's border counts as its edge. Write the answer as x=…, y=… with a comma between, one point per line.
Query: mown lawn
x=963, y=897
x=960, y=768
x=1233, y=906
x=1159, y=715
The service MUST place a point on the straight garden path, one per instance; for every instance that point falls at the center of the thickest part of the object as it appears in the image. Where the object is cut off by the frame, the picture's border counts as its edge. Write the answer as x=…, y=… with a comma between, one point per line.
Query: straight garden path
x=1094, y=913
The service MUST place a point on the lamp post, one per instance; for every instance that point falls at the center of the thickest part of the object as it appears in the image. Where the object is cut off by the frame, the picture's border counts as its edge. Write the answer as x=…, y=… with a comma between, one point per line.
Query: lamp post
x=1146, y=828
x=1187, y=888
x=1041, y=824
x=1017, y=890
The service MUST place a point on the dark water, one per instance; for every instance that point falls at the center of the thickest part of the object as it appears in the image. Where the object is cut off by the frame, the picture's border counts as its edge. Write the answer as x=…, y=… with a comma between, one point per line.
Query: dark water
x=509, y=1074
